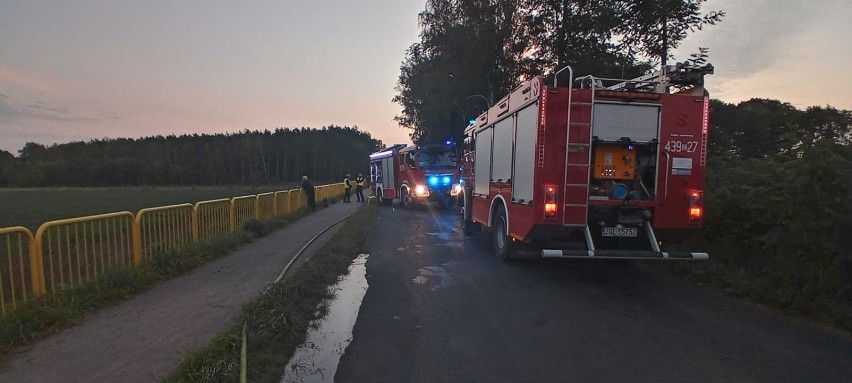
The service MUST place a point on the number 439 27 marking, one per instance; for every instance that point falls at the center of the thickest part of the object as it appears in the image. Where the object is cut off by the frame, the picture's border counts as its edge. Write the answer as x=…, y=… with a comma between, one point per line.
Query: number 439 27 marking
x=681, y=146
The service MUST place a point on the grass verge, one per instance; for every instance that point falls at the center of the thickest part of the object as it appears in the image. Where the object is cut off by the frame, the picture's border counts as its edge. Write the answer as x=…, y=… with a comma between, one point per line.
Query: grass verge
x=36, y=319
x=760, y=288
x=729, y=272
x=278, y=320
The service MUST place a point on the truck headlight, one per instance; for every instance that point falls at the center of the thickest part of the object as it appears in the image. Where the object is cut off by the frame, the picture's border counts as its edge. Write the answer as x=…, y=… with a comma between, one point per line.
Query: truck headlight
x=421, y=191
x=455, y=190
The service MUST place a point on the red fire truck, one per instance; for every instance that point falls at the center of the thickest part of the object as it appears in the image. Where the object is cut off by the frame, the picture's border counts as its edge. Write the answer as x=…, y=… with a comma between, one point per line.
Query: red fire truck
x=415, y=173
x=595, y=170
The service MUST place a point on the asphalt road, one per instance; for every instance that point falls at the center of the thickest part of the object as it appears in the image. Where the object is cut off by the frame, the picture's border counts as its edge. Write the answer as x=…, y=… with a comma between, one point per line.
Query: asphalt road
x=441, y=308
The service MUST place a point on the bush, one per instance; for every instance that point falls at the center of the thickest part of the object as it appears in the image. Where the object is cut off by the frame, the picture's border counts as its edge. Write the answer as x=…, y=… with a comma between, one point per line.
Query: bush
x=778, y=230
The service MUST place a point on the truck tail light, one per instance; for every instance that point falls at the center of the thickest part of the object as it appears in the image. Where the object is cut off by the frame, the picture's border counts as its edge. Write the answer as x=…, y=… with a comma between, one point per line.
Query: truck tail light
x=696, y=206
x=550, y=192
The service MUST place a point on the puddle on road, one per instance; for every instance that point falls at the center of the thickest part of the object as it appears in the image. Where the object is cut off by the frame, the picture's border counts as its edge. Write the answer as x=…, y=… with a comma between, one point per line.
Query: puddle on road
x=316, y=360
x=439, y=276
x=448, y=237
x=445, y=235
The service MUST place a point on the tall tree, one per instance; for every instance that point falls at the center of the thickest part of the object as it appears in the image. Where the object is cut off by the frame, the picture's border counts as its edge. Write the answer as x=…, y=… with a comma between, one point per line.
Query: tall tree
x=579, y=34
x=763, y=127
x=828, y=123
x=479, y=49
x=468, y=52
x=653, y=27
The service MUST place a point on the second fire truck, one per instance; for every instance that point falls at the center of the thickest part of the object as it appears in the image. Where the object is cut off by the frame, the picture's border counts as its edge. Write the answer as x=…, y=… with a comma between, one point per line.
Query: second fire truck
x=415, y=173
x=594, y=168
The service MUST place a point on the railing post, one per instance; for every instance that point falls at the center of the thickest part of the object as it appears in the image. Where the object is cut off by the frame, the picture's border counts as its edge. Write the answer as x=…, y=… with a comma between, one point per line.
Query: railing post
x=257, y=206
x=36, y=261
x=194, y=223
x=275, y=204
x=39, y=249
x=137, y=239
x=232, y=219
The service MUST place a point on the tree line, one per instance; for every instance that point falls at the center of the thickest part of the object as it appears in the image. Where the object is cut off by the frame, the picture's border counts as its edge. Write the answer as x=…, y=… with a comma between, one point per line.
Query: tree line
x=247, y=157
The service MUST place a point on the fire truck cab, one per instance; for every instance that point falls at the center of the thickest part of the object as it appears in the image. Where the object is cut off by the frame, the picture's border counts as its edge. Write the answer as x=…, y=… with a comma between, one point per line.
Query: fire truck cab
x=415, y=173
x=591, y=169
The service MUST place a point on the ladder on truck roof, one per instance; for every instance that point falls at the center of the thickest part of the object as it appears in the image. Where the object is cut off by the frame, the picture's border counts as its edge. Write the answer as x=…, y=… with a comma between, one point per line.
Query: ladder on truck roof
x=684, y=74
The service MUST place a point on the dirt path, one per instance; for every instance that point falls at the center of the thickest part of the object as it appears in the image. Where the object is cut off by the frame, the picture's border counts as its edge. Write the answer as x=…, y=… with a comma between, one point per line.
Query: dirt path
x=145, y=337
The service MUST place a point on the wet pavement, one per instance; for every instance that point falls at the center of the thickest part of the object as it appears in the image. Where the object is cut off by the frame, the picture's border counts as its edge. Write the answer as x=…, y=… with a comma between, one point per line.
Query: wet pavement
x=441, y=308
x=316, y=360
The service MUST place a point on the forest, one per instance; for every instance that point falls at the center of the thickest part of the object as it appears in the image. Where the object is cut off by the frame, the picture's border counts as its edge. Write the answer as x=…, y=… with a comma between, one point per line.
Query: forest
x=248, y=157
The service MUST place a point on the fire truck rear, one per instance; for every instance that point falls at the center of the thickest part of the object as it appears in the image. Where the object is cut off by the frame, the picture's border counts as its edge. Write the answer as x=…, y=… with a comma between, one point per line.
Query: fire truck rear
x=417, y=173
x=593, y=170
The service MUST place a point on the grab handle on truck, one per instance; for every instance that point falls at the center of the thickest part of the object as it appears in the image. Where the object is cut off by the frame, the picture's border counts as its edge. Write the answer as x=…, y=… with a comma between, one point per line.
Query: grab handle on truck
x=666, y=185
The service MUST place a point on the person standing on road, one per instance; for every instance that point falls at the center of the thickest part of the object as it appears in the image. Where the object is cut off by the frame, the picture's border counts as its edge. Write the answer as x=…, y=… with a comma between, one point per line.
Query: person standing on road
x=347, y=188
x=359, y=187
x=308, y=188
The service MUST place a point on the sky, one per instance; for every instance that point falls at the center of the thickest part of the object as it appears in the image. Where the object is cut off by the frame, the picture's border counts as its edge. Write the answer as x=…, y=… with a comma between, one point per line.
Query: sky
x=85, y=69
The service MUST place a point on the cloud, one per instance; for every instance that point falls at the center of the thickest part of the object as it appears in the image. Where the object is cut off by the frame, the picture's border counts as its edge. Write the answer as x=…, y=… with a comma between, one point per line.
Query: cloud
x=31, y=82
x=754, y=35
x=39, y=110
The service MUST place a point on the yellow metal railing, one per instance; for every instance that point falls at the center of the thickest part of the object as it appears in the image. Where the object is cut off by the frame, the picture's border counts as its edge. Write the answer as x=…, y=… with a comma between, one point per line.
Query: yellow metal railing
x=296, y=200
x=212, y=218
x=160, y=229
x=245, y=209
x=78, y=250
x=282, y=202
x=72, y=252
x=266, y=206
x=20, y=279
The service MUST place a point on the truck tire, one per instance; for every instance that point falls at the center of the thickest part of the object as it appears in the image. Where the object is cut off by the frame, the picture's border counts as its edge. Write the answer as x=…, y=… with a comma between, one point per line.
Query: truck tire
x=405, y=198
x=502, y=242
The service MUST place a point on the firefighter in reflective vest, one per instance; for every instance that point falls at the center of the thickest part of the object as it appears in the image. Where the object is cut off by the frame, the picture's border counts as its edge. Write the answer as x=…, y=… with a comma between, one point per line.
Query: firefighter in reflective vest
x=347, y=188
x=359, y=187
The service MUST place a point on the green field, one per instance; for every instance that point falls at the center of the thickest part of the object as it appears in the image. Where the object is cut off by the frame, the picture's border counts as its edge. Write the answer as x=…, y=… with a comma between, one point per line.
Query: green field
x=32, y=207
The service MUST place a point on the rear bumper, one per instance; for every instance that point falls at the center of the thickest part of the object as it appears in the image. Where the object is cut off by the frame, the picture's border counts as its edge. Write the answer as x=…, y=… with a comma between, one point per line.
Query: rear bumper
x=623, y=254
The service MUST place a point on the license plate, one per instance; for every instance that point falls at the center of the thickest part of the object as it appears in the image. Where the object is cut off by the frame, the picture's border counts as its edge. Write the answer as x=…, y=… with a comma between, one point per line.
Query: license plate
x=620, y=232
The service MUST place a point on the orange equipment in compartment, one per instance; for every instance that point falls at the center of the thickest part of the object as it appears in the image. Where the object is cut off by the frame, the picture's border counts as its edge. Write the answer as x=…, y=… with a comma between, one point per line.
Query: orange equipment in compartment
x=614, y=162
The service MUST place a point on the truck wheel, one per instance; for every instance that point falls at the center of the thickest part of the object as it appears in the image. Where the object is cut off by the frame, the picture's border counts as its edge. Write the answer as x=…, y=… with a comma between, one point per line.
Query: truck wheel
x=503, y=245
x=405, y=199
